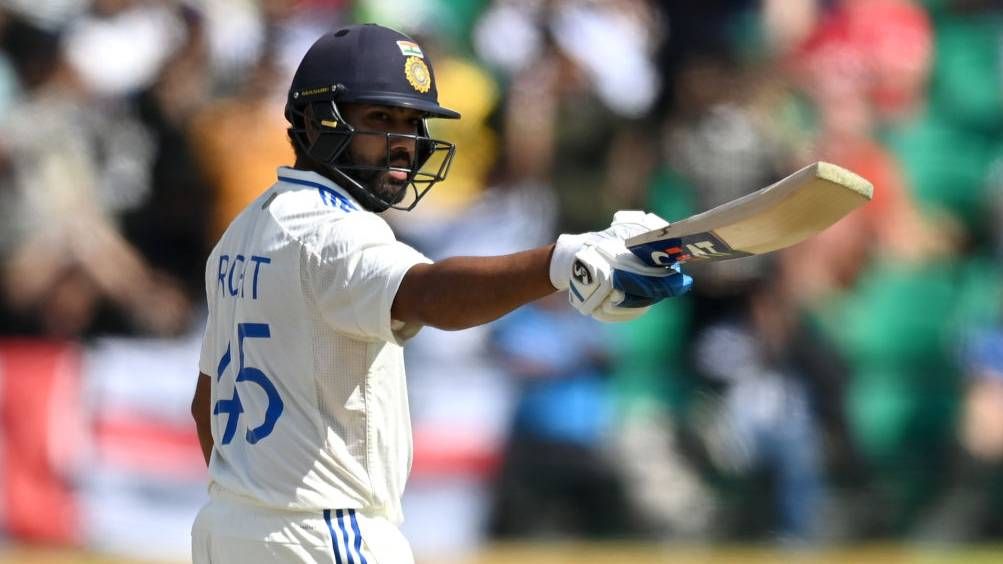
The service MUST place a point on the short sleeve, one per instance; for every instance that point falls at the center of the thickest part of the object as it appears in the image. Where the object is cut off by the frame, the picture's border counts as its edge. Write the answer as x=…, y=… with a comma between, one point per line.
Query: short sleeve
x=354, y=276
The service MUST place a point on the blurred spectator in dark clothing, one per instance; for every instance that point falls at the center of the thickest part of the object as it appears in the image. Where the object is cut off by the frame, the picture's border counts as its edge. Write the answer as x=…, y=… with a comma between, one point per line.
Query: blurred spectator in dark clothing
x=780, y=386
x=67, y=271
x=569, y=59
x=713, y=150
x=697, y=29
x=556, y=479
x=171, y=227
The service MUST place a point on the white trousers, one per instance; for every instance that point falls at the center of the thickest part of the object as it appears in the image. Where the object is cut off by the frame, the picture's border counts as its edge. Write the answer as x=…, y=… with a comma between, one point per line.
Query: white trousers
x=230, y=531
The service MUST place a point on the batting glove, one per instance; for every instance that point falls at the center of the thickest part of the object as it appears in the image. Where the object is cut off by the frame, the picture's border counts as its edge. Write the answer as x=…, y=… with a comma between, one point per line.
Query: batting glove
x=610, y=284
x=626, y=224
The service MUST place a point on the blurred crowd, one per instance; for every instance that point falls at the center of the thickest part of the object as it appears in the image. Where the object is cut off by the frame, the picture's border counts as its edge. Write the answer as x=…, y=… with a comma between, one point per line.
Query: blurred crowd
x=850, y=388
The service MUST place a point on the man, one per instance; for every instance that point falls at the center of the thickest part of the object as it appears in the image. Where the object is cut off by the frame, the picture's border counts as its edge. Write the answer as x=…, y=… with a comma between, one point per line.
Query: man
x=301, y=403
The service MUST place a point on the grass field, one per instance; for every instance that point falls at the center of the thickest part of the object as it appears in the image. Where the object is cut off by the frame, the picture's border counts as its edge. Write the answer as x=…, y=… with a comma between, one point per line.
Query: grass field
x=587, y=553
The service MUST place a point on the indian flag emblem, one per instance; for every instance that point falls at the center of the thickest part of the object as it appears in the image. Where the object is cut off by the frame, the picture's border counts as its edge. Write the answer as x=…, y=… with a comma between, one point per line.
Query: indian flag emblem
x=410, y=49
x=417, y=74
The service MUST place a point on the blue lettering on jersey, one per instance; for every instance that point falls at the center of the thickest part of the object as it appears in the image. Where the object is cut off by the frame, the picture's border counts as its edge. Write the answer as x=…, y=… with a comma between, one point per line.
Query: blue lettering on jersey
x=224, y=261
x=334, y=199
x=230, y=276
x=233, y=291
x=258, y=261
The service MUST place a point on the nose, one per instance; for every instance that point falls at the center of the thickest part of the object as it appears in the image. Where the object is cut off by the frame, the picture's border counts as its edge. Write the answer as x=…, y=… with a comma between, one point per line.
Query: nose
x=403, y=140
x=401, y=147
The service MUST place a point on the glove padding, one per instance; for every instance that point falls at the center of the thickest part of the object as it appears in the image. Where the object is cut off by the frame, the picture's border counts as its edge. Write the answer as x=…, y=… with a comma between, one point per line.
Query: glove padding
x=626, y=224
x=610, y=284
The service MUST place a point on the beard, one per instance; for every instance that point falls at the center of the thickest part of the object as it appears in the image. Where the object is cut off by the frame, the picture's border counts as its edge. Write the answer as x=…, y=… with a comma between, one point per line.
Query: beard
x=379, y=184
x=377, y=181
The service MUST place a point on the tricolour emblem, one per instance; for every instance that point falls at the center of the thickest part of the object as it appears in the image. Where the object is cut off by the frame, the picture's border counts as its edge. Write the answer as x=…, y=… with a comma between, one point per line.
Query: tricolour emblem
x=417, y=74
x=410, y=49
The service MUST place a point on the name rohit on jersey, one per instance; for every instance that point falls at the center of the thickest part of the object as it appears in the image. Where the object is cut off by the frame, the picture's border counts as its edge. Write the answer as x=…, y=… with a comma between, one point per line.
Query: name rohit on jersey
x=231, y=275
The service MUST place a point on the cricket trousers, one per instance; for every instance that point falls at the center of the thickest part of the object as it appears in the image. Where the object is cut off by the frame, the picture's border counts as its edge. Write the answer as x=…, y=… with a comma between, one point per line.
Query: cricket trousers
x=228, y=530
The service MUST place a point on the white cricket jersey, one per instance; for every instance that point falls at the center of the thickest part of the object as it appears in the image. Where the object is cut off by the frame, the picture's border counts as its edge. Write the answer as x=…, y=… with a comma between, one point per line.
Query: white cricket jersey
x=309, y=400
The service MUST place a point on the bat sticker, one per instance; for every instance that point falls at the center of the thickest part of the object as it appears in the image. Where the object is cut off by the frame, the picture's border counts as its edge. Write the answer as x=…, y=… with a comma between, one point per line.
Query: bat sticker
x=772, y=218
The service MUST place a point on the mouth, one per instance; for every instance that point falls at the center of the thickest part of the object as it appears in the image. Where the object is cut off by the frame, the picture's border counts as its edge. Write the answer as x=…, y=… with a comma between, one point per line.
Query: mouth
x=397, y=175
x=392, y=186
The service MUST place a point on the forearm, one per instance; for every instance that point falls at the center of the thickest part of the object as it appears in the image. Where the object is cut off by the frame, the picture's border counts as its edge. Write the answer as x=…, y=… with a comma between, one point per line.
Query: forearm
x=463, y=292
x=200, y=412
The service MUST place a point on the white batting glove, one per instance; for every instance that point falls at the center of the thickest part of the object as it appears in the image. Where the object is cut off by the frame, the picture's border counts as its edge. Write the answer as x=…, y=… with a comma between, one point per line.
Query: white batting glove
x=610, y=284
x=626, y=224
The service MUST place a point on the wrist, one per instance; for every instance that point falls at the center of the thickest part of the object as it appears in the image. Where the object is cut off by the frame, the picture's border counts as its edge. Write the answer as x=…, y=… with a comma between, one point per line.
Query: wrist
x=562, y=258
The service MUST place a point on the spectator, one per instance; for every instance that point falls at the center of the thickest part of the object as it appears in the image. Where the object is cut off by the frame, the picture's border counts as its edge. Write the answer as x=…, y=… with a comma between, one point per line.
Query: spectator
x=170, y=227
x=67, y=269
x=774, y=373
x=263, y=146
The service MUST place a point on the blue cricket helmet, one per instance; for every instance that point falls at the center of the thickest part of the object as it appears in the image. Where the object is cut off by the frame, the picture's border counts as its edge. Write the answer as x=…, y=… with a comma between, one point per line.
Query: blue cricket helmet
x=367, y=64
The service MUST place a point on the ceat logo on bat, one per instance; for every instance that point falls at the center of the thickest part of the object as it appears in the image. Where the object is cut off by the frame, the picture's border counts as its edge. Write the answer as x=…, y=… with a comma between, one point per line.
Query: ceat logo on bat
x=703, y=246
x=669, y=256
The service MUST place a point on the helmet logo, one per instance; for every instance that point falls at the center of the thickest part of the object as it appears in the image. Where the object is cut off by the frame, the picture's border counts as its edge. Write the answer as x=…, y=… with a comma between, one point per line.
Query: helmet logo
x=410, y=49
x=417, y=74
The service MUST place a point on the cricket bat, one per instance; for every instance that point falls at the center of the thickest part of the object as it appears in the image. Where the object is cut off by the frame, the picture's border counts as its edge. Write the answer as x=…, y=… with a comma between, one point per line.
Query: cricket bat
x=769, y=219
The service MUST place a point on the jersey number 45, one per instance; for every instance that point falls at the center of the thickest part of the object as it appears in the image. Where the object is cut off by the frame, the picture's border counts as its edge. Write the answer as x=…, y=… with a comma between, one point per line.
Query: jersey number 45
x=232, y=407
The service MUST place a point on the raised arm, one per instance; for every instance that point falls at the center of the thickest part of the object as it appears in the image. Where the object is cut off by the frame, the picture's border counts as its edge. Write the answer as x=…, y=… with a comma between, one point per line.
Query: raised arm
x=463, y=292
x=605, y=279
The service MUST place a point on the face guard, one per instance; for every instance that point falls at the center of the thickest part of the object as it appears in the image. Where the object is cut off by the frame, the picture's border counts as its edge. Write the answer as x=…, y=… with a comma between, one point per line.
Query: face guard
x=369, y=183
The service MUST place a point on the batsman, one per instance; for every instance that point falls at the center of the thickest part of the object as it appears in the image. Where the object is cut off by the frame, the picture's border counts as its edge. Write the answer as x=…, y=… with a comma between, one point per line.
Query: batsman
x=301, y=402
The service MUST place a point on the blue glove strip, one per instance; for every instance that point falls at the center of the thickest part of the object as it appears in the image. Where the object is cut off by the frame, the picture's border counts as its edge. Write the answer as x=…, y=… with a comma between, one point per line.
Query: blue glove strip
x=657, y=287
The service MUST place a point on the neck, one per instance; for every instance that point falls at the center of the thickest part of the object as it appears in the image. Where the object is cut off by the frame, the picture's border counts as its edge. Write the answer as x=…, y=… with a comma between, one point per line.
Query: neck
x=361, y=195
x=303, y=163
x=309, y=165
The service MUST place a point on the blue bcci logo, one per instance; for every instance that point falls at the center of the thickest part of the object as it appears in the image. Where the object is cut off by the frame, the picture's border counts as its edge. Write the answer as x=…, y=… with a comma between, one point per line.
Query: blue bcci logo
x=233, y=407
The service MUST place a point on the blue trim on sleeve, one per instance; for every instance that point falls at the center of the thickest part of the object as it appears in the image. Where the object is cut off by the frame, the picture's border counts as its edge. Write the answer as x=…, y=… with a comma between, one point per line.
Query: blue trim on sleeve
x=334, y=538
x=329, y=196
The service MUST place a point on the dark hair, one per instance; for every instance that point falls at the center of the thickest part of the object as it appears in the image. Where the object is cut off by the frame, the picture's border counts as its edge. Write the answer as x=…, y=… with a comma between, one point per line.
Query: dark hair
x=35, y=53
x=297, y=150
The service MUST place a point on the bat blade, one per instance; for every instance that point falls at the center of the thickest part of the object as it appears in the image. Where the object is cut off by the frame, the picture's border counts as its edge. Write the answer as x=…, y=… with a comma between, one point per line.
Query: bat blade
x=772, y=218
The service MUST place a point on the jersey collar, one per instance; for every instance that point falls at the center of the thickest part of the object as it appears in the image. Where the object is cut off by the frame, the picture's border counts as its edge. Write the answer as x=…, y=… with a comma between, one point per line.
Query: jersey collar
x=293, y=177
